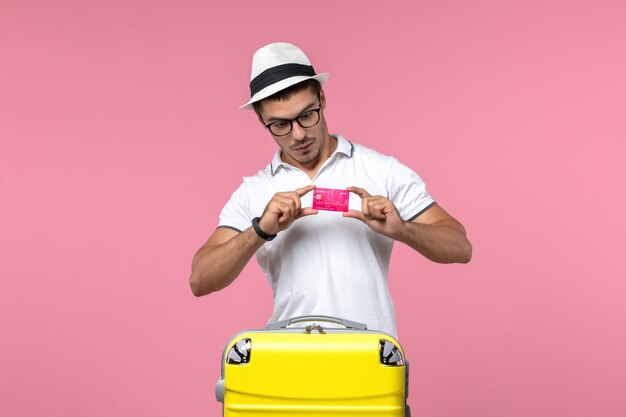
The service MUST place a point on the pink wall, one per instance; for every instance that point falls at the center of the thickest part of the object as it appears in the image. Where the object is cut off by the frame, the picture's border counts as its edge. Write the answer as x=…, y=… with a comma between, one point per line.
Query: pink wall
x=120, y=139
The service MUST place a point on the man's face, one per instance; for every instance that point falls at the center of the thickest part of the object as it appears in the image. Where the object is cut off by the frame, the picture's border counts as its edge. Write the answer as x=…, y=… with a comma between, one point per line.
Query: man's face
x=302, y=147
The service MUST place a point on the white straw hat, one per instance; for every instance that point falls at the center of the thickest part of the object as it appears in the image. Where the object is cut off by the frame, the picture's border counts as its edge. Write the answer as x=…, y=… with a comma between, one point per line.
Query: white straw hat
x=277, y=66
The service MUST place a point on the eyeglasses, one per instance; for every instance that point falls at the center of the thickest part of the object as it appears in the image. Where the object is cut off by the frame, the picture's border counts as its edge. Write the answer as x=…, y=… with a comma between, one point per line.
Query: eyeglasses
x=284, y=127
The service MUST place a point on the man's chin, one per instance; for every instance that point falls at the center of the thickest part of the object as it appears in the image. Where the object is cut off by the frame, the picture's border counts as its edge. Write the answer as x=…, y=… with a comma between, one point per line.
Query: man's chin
x=307, y=157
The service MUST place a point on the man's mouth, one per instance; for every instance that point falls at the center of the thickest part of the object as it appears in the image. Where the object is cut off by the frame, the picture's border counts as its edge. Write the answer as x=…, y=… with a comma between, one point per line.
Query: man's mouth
x=304, y=147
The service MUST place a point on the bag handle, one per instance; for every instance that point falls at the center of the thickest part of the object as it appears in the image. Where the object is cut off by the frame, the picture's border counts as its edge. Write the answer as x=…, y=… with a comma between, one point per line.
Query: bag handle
x=348, y=324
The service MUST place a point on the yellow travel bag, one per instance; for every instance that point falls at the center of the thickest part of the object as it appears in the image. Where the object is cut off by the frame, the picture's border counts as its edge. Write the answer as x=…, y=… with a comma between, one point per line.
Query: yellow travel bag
x=304, y=367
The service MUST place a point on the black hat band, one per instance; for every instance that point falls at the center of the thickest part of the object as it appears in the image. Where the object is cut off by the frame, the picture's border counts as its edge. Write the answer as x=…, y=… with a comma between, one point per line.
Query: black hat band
x=278, y=73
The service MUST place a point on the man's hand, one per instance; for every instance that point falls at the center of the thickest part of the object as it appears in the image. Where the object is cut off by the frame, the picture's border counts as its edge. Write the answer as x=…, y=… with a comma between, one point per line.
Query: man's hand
x=378, y=212
x=283, y=209
x=434, y=233
x=222, y=258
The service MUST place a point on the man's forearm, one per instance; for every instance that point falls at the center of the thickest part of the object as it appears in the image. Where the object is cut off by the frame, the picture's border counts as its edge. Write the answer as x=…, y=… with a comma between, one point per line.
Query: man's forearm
x=215, y=267
x=443, y=242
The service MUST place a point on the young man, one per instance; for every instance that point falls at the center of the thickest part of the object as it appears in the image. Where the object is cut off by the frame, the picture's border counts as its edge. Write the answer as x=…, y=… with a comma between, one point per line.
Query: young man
x=321, y=262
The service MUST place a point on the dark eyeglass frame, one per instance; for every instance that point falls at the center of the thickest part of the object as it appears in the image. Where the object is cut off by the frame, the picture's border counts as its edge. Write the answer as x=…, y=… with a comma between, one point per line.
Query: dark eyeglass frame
x=297, y=120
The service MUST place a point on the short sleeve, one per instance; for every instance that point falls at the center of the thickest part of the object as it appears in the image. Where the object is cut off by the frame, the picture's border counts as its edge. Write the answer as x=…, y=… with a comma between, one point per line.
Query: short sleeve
x=407, y=191
x=236, y=213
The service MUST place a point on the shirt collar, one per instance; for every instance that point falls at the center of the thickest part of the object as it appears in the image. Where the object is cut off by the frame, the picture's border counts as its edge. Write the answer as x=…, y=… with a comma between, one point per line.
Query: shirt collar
x=344, y=146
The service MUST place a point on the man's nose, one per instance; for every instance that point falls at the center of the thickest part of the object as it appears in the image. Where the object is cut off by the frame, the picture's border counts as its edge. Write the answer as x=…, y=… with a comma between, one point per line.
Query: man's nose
x=297, y=131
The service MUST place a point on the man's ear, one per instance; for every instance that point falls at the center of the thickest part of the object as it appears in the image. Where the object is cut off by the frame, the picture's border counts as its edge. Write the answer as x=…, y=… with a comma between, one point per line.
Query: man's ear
x=322, y=100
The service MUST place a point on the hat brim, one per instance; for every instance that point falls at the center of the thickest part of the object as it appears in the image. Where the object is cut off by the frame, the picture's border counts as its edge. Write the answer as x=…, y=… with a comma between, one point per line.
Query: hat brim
x=281, y=85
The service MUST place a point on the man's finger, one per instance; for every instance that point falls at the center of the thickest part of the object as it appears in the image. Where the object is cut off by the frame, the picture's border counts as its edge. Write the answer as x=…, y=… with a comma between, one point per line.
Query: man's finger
x=302, y=191
x=285, y=211
x=288, y=200
x=377, y=209
x=307, y=211
x=361, y=192
x=355, y=214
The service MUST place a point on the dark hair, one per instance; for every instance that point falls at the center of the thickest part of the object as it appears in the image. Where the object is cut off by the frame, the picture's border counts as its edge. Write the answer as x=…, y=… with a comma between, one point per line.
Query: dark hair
x=313, y=85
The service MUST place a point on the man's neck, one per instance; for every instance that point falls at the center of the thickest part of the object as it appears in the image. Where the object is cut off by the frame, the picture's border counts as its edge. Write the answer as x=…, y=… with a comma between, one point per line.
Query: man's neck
x=313, y=167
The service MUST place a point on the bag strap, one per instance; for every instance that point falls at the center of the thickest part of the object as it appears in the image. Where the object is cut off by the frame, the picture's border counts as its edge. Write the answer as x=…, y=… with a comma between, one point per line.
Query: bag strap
x=348, y=324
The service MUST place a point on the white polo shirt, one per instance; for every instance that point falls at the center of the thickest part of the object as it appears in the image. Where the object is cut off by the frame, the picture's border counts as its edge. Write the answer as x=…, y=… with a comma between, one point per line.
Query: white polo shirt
x=326, y=264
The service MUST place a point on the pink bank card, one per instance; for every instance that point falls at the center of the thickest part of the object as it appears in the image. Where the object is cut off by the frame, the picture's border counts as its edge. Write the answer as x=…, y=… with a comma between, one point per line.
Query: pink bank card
x=330, y=199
